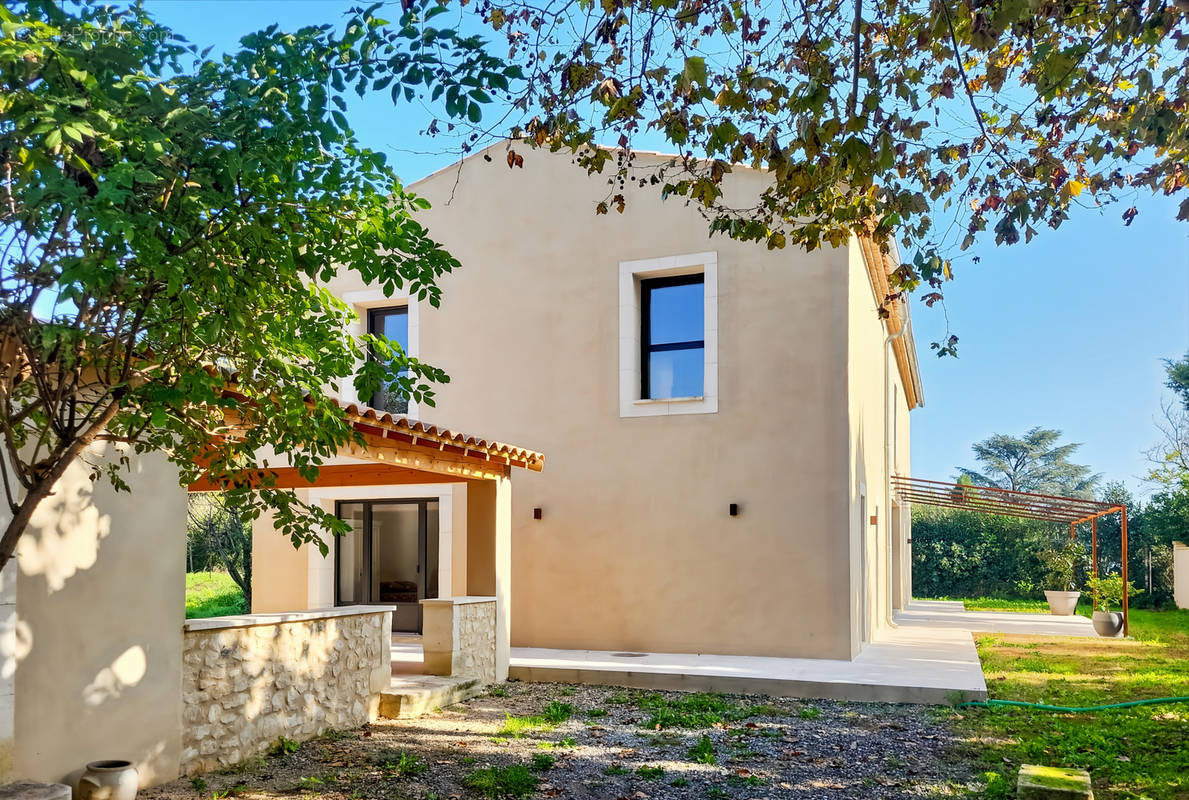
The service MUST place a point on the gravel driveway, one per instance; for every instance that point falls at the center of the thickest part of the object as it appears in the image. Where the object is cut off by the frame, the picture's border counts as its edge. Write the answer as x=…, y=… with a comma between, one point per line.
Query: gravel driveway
x=556, y=740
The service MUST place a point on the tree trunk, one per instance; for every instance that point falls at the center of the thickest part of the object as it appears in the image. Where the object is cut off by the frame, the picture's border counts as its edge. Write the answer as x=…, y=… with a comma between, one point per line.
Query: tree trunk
x=44, y=486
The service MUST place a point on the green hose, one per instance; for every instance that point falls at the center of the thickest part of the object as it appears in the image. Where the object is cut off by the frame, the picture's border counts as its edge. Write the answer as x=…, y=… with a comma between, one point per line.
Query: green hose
x=1069, y=709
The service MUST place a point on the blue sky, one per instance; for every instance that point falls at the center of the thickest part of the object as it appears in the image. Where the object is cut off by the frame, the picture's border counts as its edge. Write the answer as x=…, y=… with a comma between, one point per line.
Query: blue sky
x=1066, y=332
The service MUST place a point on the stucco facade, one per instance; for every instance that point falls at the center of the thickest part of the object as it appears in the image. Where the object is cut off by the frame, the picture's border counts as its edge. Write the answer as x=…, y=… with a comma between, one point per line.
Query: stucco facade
x=635, y=548
x=94, y=646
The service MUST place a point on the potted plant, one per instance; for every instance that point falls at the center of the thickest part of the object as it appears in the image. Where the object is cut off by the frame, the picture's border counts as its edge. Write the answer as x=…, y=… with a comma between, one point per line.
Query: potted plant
x=1108, y=593
x=1061, y=562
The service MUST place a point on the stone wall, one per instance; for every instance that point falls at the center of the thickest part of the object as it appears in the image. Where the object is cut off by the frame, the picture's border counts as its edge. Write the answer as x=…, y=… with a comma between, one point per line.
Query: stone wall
x=459, y=637
x=246, y=681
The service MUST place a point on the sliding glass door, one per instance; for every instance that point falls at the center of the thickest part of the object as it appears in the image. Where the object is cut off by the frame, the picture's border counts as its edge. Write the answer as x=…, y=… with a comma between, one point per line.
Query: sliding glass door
x=390, y=557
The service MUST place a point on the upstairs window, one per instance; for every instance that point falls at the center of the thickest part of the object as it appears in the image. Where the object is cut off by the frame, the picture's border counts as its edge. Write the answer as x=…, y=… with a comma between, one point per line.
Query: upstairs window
x=672, y=331
x=392, y=323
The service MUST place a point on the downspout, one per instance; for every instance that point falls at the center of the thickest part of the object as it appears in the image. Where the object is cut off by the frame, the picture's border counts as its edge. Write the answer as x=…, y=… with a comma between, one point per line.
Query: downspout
x=887, y=458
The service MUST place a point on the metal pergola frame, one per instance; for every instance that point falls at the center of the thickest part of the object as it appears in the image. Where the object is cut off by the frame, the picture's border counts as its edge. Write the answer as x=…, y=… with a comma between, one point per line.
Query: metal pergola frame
x=1028, y=505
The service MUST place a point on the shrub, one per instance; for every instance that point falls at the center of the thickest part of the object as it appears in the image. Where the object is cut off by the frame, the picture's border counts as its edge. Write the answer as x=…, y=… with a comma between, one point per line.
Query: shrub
x=1108, y=592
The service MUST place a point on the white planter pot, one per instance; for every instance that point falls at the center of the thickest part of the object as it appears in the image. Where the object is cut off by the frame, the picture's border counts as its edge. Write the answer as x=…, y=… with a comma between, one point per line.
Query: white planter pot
x=1062, y=604
x=1108, y=623
x=109, y=780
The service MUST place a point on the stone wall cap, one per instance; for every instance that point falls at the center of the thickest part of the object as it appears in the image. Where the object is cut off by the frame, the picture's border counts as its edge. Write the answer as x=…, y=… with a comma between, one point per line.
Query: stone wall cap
x=456, y=601
x=31, y=790
x=280, y=617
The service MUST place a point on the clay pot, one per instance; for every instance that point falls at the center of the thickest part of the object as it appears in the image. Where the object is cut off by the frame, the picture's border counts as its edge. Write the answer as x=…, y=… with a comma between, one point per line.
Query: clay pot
x=1062, y=604
x=1108, y=623
x=109, y=780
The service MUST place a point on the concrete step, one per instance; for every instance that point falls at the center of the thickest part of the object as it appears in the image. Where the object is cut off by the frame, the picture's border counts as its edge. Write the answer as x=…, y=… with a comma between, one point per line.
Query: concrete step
x=413, y=695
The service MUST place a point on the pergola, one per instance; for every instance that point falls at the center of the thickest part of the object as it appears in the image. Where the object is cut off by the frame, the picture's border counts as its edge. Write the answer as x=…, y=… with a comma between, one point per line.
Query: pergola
x=1028, y=505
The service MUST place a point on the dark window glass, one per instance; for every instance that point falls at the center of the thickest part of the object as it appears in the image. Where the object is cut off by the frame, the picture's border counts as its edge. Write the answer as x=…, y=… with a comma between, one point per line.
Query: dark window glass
x=672, y=330
x=394, y=324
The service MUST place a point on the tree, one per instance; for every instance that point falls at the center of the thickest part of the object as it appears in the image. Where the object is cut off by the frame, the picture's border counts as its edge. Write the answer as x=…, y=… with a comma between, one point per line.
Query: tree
x=165, y=219
x=1165, y=520
x=216, y=525
x=936, y=123
x=1032, y=463
x=1170, y=456
x=1178, y=379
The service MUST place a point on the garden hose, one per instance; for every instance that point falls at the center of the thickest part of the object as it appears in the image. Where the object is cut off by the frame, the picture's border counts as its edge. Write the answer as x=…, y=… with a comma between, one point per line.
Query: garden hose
x=1071, y=709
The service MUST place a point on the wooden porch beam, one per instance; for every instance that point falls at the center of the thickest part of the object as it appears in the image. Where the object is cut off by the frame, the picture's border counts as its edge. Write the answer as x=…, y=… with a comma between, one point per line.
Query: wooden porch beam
x=331, y=476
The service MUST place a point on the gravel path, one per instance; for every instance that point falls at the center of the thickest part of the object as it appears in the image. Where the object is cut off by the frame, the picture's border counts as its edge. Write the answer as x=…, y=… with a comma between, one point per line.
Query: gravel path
x=738, y=747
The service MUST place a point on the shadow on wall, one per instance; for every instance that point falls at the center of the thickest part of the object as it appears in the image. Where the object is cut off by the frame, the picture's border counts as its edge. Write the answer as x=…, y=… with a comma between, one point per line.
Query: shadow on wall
x=96, y=649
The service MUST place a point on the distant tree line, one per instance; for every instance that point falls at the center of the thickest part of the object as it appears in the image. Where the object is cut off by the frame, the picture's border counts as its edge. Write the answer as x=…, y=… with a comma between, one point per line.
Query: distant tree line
x=966, y=554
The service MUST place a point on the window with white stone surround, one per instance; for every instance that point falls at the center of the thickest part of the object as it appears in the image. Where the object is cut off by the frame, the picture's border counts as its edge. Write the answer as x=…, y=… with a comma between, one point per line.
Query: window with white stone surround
x=658, y=341
x=374, y=300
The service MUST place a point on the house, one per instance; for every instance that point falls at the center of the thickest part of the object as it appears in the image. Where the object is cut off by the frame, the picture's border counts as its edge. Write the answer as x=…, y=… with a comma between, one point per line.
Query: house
x=721, y=421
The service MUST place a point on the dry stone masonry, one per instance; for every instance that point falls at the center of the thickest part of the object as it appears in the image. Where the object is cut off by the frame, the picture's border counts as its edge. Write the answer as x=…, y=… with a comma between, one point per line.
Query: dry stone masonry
x=247, y=681
x=459, y=637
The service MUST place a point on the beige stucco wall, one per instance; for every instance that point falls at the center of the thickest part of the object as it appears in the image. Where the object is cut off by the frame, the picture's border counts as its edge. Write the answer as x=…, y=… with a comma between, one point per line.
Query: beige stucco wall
x=99, y=612
x=1180, y=567
x=875, y=405
x=636, y=550
x=280, y=571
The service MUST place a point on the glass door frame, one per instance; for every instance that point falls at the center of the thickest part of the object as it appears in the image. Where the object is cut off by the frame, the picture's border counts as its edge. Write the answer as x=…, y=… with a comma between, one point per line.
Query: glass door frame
x=422, y=505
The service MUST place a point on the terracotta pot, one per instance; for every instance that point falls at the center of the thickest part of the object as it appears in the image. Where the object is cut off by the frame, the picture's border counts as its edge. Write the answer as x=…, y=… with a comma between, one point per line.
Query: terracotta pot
x=1108, y=623
x=108, y=780
x=1062, y=604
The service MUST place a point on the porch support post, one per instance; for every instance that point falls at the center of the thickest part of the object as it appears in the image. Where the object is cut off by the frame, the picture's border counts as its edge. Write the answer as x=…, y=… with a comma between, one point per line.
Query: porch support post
x=1094, y=544
x=503, y=577
x=489, y=557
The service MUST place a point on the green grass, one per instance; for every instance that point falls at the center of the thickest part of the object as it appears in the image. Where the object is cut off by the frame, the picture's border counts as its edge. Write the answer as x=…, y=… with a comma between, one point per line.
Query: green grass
x=1130, y=753
x=400, y=762
x=650, y=772
x=502, y=782
x=703, y=752
x=212, y=594
x=1028, y=605
x=543, y=761
x=691, y=711
x=550, y=717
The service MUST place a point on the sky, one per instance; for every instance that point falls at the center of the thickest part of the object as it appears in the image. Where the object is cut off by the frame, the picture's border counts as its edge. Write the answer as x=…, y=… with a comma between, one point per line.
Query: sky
x=1069, y=331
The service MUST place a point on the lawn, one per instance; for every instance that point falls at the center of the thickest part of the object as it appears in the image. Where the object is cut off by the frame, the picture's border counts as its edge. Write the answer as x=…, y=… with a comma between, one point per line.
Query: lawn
x=1026, y=606
x=212, y=594
x=1131, y=753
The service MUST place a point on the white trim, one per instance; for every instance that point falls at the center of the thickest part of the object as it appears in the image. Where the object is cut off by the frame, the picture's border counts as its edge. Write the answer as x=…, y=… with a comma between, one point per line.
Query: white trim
x=363, y=301
x=630, y=274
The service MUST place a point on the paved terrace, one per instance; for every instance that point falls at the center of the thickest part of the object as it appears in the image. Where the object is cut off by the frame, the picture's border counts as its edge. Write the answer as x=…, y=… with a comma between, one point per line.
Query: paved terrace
x=927, y=658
